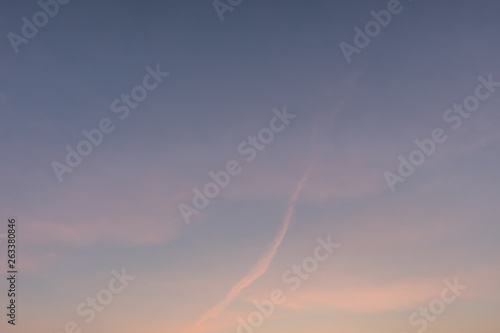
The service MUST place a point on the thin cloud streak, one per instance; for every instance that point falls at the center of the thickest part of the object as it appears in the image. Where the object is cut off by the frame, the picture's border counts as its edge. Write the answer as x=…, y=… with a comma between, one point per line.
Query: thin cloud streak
x=262, y=265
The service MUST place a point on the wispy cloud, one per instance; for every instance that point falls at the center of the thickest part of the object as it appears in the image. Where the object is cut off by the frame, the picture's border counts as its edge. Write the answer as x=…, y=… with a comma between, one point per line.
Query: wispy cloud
x=262, y=265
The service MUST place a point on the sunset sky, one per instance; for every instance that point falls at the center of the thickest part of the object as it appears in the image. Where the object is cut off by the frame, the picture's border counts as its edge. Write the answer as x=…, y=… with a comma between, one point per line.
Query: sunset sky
x=321, y=178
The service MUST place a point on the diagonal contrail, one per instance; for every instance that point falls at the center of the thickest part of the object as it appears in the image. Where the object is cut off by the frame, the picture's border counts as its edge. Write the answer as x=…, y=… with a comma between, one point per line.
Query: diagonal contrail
x=262, y=265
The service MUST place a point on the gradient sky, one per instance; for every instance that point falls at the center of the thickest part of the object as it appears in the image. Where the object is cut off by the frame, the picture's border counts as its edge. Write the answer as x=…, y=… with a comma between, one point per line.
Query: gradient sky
x=323, y=175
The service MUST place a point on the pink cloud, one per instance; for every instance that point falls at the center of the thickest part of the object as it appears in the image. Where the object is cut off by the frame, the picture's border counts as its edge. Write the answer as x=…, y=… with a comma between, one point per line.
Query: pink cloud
x=261, y=267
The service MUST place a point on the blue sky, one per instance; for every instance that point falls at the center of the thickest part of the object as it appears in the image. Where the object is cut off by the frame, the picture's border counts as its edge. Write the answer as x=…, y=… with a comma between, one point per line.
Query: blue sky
x=119, y=207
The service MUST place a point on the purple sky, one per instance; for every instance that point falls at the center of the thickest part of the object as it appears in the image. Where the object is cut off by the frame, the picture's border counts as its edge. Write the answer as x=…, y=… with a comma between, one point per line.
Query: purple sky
x=322, y=173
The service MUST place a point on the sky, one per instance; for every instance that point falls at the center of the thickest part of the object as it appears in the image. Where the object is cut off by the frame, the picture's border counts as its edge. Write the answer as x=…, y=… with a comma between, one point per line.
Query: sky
x=251, y=166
